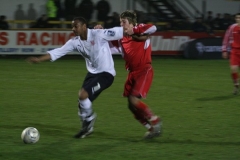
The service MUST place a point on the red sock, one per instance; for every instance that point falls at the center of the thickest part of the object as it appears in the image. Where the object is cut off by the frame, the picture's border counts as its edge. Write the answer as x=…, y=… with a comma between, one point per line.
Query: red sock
x=143, y=108
x=235, y=79
x=142, y=120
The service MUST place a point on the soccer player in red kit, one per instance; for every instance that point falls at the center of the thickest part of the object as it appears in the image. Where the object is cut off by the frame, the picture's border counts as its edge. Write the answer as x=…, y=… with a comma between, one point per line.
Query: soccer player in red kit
x=136, y=51
x=232, y=40
x=137, y=55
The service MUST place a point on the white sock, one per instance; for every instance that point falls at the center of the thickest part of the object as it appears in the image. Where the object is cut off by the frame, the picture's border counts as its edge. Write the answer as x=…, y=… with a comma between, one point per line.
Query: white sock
x=148, y=126
x=86, y=108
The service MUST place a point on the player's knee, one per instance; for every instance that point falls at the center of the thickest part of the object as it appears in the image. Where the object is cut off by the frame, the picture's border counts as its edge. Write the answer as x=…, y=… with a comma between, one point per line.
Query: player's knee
x=133, y=100
x=82, y=94
x=131, y=107
x=234, y=69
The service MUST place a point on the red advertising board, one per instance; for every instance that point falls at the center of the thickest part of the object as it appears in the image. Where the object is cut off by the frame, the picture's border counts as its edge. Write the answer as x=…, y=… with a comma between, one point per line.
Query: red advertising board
x=38, y=42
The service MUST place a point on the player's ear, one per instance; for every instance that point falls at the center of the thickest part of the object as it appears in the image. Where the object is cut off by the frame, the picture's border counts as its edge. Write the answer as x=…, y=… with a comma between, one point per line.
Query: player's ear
x=85, y=26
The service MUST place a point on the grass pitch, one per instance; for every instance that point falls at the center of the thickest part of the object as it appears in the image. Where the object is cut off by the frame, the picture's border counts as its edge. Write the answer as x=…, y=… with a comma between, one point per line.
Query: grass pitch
x=193, y=97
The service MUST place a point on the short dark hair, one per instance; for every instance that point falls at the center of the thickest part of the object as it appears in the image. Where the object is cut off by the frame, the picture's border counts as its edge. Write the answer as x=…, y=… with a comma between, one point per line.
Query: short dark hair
x=81, y=19
x=238, y=14
x=130, y=15
x=2, y=17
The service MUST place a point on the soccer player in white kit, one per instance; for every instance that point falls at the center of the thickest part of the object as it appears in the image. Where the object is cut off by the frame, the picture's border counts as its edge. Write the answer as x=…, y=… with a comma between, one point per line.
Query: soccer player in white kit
x=93, y=45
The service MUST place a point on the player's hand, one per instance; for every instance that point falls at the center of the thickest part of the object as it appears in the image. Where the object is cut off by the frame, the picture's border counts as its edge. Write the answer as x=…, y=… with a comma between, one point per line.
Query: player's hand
x=225, y=55
x=140, y=37
x=33, y=60
x=98, y=26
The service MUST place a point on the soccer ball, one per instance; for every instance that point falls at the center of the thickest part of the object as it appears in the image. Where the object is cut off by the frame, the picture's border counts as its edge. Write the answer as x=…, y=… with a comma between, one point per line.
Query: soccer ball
x=30, y=135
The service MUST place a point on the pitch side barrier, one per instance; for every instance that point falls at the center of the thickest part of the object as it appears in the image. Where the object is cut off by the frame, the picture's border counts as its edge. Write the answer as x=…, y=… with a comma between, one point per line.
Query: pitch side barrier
x=203, y=48
x=24, y=42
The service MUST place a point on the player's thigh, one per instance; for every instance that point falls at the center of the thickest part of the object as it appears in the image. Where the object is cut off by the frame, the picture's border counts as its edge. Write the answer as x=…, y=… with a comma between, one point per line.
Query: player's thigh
x=142, y=82
x=128, y=85
x=234, y=61
x=235, y=58
x=94, y=84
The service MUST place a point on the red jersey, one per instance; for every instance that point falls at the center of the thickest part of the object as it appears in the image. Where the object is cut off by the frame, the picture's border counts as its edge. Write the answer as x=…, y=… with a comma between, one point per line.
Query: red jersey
x=137, y=54
x=232, y=38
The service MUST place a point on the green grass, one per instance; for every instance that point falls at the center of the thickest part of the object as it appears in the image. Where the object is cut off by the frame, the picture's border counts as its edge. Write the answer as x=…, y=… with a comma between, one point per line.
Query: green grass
x=201, y=117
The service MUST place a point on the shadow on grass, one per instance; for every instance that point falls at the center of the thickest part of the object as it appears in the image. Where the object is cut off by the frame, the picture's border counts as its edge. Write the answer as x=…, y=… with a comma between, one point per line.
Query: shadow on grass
x=217, y=98
x=67, y=133
x=166, y=141
x=159, y=140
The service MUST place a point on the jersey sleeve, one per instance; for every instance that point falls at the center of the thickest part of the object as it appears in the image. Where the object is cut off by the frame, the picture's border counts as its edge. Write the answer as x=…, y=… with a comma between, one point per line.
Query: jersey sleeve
x=226, y=40
x=144, y=29
x=59, y=52
x=112, y=34
x=115, y=47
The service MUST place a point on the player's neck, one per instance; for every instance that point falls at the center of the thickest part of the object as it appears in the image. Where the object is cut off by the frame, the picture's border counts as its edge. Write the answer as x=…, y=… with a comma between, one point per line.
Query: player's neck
x=84, y=35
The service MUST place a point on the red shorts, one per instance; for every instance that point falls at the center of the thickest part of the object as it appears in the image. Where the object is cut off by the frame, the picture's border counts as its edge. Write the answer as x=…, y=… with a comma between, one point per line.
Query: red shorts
x=138, y=82
x=235, y=57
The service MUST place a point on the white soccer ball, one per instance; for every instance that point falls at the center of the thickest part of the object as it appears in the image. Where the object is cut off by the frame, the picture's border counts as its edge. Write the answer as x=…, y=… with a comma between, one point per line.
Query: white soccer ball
x=30, y=135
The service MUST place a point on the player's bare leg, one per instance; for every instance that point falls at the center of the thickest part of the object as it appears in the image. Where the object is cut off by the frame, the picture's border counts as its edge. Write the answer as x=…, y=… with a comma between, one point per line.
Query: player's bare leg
x=234, y=74
x=143, y=110
x=139, y=117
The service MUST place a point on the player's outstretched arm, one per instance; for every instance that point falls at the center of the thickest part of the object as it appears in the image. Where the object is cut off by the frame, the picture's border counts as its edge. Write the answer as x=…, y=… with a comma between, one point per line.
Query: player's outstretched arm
x=142, y=29
x=39, y=59
x=130, y=30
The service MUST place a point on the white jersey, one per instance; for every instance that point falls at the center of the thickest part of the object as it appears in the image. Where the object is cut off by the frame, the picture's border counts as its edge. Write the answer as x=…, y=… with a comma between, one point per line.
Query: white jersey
x=95, y=49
